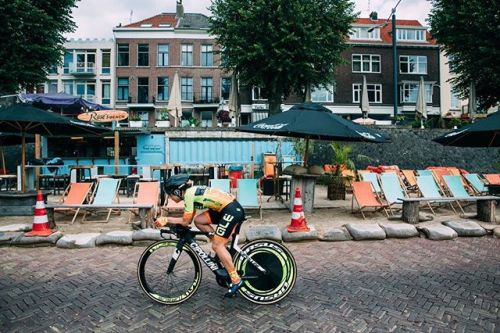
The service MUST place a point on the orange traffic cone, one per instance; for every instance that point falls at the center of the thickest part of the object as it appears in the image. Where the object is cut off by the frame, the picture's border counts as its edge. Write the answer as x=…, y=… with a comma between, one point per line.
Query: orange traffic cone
x=40, y=220
x=298, y=222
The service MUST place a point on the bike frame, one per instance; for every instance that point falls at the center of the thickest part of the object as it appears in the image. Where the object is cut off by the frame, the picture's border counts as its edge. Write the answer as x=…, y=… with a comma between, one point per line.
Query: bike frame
x=187, y=236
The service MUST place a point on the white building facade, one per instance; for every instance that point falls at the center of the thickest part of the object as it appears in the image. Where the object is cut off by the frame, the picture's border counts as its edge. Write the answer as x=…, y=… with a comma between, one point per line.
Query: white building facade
x=88, y=70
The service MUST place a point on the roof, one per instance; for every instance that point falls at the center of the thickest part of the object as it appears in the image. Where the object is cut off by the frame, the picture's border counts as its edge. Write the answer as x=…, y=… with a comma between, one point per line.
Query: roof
x=155, y=21
x=386, y=30
x=164, y=20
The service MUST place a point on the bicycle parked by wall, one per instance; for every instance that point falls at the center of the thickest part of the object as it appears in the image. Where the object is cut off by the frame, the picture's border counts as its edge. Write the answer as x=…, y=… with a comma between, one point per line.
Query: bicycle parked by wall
x=170, y=270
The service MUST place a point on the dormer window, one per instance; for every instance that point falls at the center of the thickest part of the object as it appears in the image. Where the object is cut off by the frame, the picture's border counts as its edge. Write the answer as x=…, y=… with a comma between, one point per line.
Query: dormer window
x=411, y=35
x=164, y=25
x=146, y=25
x=362, y=33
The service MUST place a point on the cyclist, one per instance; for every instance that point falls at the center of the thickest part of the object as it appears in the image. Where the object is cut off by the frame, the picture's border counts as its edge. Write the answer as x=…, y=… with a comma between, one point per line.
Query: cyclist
x=219, y=208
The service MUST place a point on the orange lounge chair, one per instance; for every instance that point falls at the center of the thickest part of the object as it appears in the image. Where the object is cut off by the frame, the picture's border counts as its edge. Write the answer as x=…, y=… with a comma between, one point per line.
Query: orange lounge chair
x=75, y=194
x=492, y=178
x=146, y=193
x=411, y=181
x=363, y=193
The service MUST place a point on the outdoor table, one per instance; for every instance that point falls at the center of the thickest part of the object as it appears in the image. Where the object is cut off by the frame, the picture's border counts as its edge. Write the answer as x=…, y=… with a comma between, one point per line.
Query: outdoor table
x=80, y=171
x=307, y=184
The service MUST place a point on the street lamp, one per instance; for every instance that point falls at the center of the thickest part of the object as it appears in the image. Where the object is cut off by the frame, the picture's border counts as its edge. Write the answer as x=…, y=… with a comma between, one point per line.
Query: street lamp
x=394, y=57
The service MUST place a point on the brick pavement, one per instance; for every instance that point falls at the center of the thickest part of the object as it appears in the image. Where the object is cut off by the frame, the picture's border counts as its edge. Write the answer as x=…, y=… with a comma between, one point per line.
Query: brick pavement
x=372, y=286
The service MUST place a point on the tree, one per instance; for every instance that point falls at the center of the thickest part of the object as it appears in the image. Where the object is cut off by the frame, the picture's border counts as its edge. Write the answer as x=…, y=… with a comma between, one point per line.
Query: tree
x=282, y=46
x=31, y=40
x=468, y=31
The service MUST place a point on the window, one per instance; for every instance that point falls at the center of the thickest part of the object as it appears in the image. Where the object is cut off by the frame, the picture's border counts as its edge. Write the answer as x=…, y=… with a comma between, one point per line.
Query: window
x=414, y=35
x=162, y=90
x=374, y=92
x=106, y=62
x=366, y=63
x=86, y=90
x=258, y=94
x=52, y=86
x=206, y=89
x=362, y=33
x=162, y=55
x=68, y=87
x=187, y=89
x=207, y=56
x=413, y=64
x=106, y=92
x=409, y=93
x=225, y=87
x=142, y=89
x=123, y=56
x=323, y=94
x=186, y=55
x=454, y=100
x=143, y=55
x=122, y=89
x=68, y=61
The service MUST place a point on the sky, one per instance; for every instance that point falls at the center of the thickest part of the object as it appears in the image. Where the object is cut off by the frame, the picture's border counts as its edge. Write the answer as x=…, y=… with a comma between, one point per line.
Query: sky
x=96, y=18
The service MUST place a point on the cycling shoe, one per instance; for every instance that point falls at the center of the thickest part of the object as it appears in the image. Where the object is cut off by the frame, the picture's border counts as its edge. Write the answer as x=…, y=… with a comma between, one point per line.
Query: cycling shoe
x=233, y=288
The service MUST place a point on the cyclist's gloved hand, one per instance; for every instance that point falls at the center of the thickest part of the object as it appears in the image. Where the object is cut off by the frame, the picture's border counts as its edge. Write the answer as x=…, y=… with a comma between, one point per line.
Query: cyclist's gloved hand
x=161, y=221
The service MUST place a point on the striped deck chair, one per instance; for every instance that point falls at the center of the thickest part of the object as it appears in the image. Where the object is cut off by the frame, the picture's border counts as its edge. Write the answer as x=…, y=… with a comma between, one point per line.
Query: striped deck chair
x=365, y=197
x=106, y=193
x=410, y=180
x=249, y=195
x=372, y=177
x=146, y=193
x=456, y=189
x=391, y=187
x=429, y=189
x=454, y=171
x=476, y=183
x=75, y=194
x=221, y=184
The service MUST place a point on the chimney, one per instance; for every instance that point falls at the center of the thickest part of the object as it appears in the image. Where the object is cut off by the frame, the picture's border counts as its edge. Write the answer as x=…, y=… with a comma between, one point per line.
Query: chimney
x=179, y=11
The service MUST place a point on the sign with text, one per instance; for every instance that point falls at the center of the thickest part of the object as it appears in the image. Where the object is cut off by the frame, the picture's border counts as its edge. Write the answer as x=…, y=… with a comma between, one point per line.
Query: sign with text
x=104, y=116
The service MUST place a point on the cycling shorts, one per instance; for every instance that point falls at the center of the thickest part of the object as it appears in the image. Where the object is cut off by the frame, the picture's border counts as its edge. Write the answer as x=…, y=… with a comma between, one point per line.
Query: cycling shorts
x=227, y=219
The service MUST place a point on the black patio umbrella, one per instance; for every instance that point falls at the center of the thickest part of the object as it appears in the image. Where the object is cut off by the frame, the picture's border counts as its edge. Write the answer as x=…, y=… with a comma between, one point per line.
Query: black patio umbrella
x=483, y=133
x=11, y=139
x=314, y=121
x=25, y=119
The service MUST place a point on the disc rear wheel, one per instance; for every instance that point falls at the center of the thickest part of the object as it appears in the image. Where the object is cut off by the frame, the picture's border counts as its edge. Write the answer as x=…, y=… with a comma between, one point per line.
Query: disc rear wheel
x=279, y=278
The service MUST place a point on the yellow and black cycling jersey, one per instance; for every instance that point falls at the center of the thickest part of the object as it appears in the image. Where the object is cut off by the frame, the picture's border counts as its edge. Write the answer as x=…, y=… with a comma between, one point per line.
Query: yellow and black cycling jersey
x=203, y=197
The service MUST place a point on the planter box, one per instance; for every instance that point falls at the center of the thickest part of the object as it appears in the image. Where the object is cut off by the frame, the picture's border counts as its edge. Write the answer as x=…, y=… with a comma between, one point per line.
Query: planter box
x=135, y=123
x=18, y=203
x=162, y=123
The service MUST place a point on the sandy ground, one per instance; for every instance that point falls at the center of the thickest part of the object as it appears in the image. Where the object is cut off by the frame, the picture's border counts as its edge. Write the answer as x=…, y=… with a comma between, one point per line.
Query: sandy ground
x=327, y=214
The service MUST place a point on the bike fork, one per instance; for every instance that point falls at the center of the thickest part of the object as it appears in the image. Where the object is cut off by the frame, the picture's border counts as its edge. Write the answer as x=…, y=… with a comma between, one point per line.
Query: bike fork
x=175, y=256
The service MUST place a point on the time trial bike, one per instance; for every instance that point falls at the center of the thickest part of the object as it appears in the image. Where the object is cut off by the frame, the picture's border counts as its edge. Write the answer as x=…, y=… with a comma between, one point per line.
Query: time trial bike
x=170, y=270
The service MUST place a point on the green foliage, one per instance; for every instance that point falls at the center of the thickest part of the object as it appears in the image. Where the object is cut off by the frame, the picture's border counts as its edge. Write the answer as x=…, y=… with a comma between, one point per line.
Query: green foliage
x=164, y=115
x=31, y=39
x=282, y=46
x=455, y=122
x=341, y=156
x=299, y=145
x=468, y=30
x=193, y=122
x=134, y=117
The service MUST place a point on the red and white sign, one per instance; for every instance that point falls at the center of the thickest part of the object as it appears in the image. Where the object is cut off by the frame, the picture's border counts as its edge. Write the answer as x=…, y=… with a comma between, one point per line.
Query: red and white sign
x=104, y=116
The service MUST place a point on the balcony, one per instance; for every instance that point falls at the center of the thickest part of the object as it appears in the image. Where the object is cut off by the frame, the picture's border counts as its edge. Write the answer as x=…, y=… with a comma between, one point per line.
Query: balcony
x=82, y=68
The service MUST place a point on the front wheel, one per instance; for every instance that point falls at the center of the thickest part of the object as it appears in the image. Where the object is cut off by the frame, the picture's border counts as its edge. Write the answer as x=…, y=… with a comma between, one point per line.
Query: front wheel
x=169, y=288
x=279, y=278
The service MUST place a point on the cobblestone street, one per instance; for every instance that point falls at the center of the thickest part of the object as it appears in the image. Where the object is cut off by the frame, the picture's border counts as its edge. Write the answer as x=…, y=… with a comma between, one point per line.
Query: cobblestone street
x=371, y=286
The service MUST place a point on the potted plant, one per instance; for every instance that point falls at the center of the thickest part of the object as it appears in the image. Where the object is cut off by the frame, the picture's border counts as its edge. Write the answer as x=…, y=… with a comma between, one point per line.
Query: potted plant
x=193, y=122
x=163, y=119
x=341, y=159
x=134, y=121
